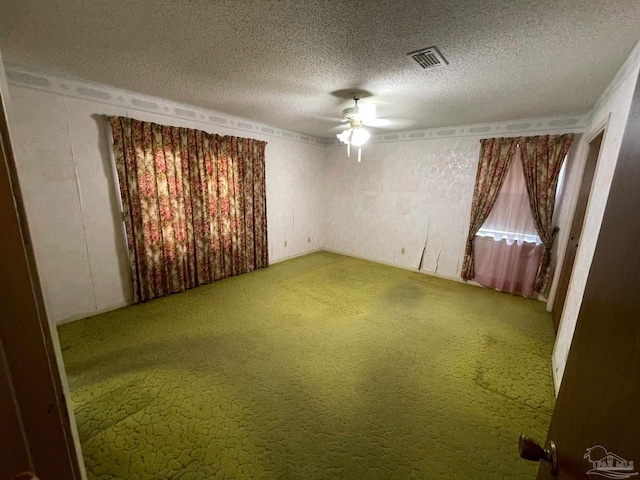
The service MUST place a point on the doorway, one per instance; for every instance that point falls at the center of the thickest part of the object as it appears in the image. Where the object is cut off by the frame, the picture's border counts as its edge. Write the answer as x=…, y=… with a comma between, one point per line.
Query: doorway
x=576, y=228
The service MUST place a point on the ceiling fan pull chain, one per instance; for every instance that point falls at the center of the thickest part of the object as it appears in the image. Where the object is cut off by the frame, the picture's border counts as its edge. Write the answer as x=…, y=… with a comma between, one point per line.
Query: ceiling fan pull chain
x=349, y=149
x=359, y=154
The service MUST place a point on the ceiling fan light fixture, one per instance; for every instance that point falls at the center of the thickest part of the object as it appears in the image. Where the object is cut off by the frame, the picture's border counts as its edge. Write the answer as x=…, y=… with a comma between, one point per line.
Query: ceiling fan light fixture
x=344, y=136
x=359, y=136
x=356, y=135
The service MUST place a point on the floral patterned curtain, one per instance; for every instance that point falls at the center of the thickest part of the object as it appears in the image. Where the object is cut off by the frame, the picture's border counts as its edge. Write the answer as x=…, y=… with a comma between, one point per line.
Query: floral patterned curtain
x=542, y=159
x=496, y=155
x=247, y=207
x=194, y=205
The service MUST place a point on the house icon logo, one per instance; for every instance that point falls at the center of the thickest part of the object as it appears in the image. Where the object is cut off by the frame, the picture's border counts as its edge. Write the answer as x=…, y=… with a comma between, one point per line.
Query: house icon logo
x=607, y=464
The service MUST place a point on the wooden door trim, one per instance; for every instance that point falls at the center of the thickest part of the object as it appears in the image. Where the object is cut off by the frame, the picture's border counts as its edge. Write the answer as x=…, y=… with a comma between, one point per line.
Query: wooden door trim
x=598, y=395
x=585, y=188
x=601, y=126
x=590, y=136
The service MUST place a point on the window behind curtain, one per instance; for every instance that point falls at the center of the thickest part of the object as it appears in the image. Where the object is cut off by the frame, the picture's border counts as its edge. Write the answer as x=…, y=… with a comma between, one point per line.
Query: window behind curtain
x=510, y=219
x=507, y=248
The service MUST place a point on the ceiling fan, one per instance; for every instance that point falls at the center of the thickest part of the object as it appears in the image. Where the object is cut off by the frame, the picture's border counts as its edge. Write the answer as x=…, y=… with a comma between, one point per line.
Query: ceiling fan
x=358, y=117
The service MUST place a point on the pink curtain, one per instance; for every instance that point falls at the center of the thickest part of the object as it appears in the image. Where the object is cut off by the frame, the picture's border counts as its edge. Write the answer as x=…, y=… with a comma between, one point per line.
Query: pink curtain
x=507, y=248
x=508, y=267
x=542, y=159
x=496, y=155
x=194, y=205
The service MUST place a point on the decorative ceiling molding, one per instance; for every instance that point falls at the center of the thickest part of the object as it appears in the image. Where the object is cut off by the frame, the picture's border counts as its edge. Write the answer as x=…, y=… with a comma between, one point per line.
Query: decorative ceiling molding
x=532, y=126
x=629, y=66
x=288, y=64
x=135, y=101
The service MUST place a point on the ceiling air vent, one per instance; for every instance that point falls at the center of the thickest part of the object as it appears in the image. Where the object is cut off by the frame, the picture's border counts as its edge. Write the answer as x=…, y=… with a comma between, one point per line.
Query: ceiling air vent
x=428, y=58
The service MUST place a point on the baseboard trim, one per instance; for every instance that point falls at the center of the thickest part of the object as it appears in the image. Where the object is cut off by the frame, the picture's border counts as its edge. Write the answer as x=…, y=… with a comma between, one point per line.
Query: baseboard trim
x=290, y=257
x=80, y=316
x=425, y=272
x=92, y=313
x=403, y=267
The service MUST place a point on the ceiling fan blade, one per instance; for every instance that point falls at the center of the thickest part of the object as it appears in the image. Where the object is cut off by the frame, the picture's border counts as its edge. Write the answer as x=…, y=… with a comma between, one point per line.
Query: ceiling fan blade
x=376, y=122
x=327, y=118
x=367, y=110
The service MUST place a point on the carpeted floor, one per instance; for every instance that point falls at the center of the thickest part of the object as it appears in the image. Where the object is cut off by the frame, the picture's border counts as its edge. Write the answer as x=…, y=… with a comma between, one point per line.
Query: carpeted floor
x=321, y=367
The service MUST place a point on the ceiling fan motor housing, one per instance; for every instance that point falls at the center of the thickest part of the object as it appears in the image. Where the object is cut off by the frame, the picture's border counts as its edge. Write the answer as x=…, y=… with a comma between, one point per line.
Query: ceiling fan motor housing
x=351, y=113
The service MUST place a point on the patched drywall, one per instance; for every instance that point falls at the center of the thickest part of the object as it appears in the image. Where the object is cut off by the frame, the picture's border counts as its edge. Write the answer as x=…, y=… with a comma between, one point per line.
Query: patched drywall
x=611, y=110
x=66, y=170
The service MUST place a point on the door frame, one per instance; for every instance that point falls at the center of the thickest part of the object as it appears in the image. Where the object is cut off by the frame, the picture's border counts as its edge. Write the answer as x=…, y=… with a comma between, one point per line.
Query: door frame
x=587, y=138
x=597, y=398
x=602, y=126
x=30, y=348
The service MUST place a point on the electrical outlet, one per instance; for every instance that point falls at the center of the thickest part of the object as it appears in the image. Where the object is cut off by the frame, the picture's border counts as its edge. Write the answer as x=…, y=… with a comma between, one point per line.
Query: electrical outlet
x=285, y=243
x=308, y=239
x=402, y=251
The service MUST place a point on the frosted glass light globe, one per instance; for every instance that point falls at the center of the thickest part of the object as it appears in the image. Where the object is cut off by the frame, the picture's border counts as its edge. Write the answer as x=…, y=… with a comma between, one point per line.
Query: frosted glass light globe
x=359, y=136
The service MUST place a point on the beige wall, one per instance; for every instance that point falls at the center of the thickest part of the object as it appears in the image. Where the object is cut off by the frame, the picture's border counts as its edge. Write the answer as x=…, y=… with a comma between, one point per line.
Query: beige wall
x=612, y=110
x=67, y=174
x=6, y=97
x=413, y=195
x=411, y=187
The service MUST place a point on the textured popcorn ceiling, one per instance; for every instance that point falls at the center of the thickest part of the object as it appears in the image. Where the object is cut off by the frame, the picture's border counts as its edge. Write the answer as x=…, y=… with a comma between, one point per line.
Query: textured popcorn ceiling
x=277, y=62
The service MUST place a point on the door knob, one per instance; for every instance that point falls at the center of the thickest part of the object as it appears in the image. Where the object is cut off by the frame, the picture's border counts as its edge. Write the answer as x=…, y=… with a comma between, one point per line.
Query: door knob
x=531, y=450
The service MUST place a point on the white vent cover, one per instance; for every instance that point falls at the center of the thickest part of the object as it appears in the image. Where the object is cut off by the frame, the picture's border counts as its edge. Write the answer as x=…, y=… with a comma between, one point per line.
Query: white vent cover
x=428, y=58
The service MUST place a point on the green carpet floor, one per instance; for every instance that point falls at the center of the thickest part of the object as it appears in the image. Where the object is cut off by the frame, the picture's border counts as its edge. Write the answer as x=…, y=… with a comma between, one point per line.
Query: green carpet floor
x=321, y=367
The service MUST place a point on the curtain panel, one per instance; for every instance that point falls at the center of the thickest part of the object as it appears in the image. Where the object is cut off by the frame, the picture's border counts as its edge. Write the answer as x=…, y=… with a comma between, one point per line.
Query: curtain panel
x=510, y=267
x=507, y=249
x=496, y=155
x=194, y=205
x=542, y=159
